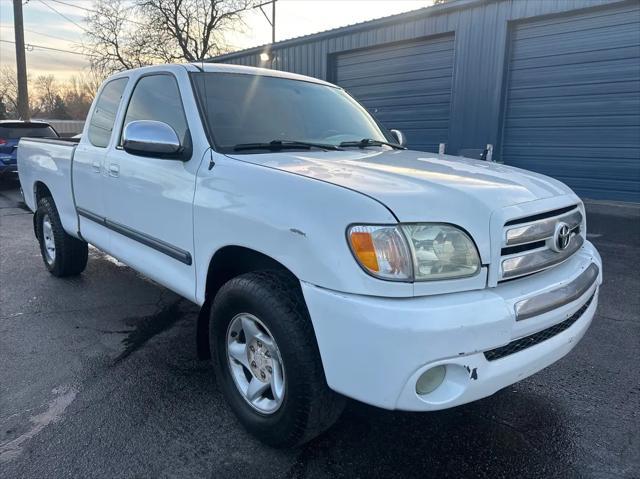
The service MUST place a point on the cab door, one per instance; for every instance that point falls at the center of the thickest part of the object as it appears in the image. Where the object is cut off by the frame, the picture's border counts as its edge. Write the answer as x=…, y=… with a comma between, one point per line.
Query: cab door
x=88, y=164
x=150, y=200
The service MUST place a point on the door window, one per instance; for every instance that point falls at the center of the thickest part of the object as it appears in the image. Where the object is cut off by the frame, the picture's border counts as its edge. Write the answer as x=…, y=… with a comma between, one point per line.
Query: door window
x=104, y=114
x=157, y=97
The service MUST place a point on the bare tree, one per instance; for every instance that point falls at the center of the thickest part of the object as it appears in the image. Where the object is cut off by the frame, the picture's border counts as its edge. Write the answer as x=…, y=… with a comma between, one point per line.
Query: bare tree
x=49, y=98
x=112, y=43
x=122, y=36
x=196, y=28
x=47, y=92
x=9, y=93
x=50, y=101
x=9, y=89
x=78, y=93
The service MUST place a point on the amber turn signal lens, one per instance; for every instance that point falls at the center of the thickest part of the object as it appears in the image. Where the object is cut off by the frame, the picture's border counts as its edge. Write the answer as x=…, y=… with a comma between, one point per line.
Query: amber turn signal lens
x=362, y=244
x=381, y=250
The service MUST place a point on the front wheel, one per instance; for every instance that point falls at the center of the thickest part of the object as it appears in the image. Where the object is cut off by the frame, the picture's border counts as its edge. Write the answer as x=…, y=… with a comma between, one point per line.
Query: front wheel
x=63, y=254
x=267, y=361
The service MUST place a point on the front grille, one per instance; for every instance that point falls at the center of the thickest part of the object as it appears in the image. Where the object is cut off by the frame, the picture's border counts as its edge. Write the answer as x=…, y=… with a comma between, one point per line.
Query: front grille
x=532, y=243
x=522, y=248
x=536, y=338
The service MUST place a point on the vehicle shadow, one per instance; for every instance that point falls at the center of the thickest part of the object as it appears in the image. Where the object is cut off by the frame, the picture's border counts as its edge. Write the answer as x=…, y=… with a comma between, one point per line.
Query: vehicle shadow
x=9, y=181
x=518, y=432
x=513, y=433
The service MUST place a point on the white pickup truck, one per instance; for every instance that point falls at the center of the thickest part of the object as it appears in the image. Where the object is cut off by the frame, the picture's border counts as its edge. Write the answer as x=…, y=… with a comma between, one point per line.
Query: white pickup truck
x=330, y=261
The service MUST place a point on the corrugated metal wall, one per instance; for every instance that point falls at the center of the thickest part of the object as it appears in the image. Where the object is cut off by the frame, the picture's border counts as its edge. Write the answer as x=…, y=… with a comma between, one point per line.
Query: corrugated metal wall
x=407, y=85
x=573, y=101
x=481, y=29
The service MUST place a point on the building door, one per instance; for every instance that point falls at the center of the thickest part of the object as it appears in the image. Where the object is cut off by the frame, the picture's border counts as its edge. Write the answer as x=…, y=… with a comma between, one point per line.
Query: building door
x=405, y=85
x=573, y=101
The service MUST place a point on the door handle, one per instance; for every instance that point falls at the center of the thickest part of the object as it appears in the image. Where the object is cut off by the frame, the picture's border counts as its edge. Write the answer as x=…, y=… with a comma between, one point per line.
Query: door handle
x=114, y=170
x=96, y=166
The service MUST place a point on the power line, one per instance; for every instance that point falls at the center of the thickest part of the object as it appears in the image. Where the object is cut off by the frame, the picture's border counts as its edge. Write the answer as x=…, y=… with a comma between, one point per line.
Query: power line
x=31, y=46
x=50, y=36
x=43, y=34
x=258, y=6
x=75, y=6
x=61, y=2
x=91, y=10
x=63, y=16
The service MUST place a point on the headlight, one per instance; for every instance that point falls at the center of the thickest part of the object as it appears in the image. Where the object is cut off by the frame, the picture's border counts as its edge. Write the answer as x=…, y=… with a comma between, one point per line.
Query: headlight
x=441, y=251
x=414, y=252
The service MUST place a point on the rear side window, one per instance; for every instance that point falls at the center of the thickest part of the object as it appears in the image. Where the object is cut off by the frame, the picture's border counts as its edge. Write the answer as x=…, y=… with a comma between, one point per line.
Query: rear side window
x=104, y=114
x=11, y=132
x=157, y=97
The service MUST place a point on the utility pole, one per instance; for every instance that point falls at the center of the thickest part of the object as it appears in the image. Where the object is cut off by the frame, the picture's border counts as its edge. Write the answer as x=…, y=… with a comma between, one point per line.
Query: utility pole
x=21, y=62
x=269, y=55
x=273, y=22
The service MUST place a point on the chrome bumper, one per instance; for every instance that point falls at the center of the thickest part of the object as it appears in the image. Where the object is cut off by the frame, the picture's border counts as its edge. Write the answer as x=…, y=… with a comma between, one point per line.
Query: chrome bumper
x=557, y=298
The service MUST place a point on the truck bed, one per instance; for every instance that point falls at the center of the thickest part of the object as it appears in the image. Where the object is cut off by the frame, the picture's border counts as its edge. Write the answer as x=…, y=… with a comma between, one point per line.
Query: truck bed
x=48, y=161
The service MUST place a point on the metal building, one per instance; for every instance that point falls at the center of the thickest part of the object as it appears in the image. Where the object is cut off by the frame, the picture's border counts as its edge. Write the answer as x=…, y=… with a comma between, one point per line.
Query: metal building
x=554, y=85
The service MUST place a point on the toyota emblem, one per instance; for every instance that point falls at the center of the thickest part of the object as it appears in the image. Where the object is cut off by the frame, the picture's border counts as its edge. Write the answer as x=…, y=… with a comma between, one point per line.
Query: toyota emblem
x=561, y=237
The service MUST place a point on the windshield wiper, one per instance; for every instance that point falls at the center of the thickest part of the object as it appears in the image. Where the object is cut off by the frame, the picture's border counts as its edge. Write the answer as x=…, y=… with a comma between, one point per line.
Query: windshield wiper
x=370, y=142
x=284, y=144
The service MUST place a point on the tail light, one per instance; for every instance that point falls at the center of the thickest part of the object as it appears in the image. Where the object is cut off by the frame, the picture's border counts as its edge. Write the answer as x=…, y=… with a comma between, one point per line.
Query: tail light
x=3, y=141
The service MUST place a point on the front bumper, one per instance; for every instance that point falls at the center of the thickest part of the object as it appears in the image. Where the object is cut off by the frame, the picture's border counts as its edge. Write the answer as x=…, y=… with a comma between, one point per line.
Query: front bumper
x=374, y=349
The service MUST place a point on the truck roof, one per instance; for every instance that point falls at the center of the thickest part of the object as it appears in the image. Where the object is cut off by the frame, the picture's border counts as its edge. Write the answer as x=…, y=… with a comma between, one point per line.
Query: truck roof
x=221, y=68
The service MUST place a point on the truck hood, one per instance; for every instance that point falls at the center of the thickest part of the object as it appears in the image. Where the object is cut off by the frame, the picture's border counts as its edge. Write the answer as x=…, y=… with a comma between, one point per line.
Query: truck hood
x=425, y=187
x=419, y=186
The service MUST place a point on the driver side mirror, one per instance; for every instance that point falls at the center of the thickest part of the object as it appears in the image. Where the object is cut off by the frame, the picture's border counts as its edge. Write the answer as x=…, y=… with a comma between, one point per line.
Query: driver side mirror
x=152, y=138
x=400, y=138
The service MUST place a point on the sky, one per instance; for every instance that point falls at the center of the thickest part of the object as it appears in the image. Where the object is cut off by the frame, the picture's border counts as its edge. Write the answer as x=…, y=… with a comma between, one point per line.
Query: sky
x=294, y=18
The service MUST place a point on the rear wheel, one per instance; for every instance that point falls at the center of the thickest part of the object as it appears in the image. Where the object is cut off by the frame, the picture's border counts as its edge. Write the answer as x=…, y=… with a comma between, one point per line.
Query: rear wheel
x=267, y=361
x=63, y=255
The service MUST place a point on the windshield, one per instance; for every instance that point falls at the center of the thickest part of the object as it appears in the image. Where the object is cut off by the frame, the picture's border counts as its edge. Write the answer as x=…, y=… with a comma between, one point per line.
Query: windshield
x=17, y=131
x=245, y=109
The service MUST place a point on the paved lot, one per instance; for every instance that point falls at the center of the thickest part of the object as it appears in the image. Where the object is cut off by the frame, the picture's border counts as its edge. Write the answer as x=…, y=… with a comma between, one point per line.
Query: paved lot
x=99, y=378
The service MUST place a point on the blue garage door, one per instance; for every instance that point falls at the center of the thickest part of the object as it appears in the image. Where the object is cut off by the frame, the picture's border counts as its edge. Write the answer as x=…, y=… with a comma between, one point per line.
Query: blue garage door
x=406, y=86
x=573, y=101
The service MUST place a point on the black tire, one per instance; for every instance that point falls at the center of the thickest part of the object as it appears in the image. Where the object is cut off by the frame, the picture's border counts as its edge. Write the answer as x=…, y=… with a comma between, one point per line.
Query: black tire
x=71, y=254
x=309, y=407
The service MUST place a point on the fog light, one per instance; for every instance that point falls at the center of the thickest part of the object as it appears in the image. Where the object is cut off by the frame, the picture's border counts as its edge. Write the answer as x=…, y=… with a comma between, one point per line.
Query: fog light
x=430, y=380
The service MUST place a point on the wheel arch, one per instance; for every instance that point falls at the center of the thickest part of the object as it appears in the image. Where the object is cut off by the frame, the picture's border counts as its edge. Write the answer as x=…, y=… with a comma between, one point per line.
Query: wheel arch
x=227, y=263
x=40, y=190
